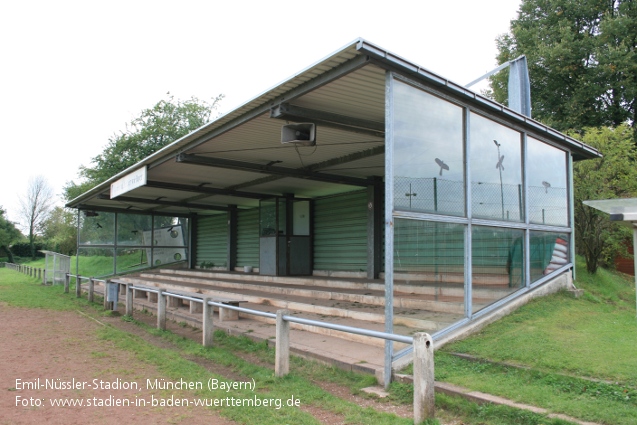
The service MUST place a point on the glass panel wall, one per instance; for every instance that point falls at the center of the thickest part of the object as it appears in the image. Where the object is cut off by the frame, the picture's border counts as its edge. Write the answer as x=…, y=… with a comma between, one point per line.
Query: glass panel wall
x=131, y=259
x=433, y=250
x=548, y=251
x=496, y=171
x=131, y=228
x=497, y=264
x=428, y=153
x=547, y=184
x=433, y=141
x=429, y=257
x=97, y=228
x=94, y=262
x=169, y=240
x=141, y=241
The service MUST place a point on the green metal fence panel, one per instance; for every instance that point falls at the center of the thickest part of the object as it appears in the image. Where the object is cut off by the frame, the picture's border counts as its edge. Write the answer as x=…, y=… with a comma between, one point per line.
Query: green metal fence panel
x=340, y=232
x=248, y=238
x=212, y=241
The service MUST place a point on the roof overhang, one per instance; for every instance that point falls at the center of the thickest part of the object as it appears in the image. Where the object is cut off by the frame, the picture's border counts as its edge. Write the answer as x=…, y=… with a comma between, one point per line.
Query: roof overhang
x=239, y=159
x=621, y=210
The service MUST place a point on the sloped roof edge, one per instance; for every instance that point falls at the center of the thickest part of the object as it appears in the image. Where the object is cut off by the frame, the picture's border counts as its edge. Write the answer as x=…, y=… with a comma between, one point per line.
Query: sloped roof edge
x=274, y=95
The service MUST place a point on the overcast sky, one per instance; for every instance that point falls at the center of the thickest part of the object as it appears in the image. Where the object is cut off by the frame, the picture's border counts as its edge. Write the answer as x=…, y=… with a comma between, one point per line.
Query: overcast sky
x=73, y=73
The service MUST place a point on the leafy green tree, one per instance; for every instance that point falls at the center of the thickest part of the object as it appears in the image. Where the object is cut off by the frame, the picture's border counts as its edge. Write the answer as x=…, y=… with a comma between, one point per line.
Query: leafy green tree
x=168, y=120
x=582, y=61
x=60, y=231
x=8, y=234
x=614, y=176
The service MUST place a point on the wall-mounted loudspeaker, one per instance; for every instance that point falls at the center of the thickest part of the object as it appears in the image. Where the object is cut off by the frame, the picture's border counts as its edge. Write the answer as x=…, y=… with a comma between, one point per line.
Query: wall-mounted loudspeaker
x=303, y=134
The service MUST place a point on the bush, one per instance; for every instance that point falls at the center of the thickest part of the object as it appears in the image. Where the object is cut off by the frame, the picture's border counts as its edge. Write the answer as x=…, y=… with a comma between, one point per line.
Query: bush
x=23, y=249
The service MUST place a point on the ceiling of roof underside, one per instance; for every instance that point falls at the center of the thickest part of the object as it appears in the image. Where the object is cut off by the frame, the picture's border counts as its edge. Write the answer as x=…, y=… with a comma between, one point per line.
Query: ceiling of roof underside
x=350, y=153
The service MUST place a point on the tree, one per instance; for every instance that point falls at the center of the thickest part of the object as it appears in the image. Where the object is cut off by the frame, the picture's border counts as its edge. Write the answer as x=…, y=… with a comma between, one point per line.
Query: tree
x=614, y=176
x=582, y=57
x=60, y=231
x=154, y=128
x=35, y=207
x=8, y=234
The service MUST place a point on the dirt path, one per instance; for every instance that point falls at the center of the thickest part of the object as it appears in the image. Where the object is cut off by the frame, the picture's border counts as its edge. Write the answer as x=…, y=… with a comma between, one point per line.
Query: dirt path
x=64, y=346
x=323, y=416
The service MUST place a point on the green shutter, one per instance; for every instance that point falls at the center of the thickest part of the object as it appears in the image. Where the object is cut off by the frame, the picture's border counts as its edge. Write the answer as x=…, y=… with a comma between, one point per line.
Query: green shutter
x=248, y=238
x=340, y=232
x=212, y=241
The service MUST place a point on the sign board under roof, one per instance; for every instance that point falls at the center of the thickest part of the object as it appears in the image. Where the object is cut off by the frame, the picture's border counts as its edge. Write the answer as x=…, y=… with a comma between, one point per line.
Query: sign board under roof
x=129, y=182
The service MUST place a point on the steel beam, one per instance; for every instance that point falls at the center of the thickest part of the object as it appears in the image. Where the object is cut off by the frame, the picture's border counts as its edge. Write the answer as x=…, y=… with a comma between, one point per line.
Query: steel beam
x=160, y=202
x=273, y=170
x=285, y=111
x=205, y=190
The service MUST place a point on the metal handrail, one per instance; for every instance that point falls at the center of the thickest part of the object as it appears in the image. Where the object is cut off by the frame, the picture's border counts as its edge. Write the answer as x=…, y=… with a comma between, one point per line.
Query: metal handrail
x=288, y=318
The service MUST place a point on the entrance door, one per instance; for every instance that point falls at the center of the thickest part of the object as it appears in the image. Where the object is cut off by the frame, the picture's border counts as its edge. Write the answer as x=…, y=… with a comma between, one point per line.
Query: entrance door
x=285, y=237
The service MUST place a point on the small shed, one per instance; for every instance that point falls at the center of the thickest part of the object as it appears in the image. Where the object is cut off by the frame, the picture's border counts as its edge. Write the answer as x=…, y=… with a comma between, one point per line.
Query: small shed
x=56, y=266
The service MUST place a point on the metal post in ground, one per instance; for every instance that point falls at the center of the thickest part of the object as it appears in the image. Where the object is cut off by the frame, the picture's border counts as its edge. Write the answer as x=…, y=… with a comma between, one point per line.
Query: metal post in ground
x=91, y=289
x=78, y=286
x=129, y=300
x=67, y=282
x=423, y=377
x=106, y=294
x=208, y=327
x=282, y=353
x=161, y=310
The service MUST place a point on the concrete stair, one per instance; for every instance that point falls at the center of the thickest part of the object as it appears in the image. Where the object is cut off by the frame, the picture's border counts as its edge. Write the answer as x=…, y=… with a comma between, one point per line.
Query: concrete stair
x=423, y=306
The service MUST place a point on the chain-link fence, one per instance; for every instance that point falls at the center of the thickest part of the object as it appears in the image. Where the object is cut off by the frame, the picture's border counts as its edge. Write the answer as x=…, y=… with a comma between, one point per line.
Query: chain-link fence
x=547, y=205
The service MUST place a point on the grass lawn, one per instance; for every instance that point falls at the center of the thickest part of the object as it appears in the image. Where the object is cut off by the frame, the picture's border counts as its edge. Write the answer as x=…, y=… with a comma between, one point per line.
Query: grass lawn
x=578, y=357
x=561, y=341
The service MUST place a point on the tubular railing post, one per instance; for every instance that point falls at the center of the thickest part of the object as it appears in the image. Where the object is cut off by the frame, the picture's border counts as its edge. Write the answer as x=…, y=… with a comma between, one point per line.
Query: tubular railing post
x=282, y=353
x=208, y=326
x=106, y=282
x=67, y=282
x=129, y=300
x=78, y=286
x=161, y=310
x=91, y=289
x=423, y=377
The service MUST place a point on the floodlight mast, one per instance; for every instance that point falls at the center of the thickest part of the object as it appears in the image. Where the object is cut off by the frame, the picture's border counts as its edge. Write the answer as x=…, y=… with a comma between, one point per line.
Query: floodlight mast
x=519, y=86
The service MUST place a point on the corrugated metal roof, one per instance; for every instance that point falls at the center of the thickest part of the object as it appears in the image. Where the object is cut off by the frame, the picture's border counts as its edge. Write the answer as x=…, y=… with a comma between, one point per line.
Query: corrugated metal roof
x=350, y=82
